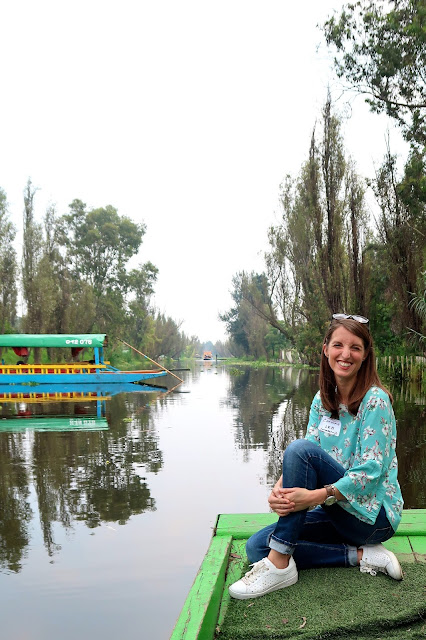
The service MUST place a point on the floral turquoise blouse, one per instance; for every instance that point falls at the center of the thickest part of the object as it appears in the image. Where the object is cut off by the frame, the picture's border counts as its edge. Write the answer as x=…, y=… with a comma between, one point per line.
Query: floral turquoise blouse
x=365, y=447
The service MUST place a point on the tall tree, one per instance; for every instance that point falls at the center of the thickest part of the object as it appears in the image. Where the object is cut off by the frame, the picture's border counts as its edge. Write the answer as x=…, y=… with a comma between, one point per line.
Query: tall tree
x=356, y=225
x=166, y=339
x=141, y=287
x=333, y=171
x=8, y=268
x=315, y=261
x=247, y=322
x=31, y=256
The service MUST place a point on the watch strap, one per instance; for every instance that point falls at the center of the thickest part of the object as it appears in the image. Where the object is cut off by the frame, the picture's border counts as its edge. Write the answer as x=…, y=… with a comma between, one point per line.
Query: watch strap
x=331, y=490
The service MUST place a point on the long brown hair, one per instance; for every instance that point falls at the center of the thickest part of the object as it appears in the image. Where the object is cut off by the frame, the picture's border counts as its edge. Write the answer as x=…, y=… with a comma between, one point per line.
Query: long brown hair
x=366, y=377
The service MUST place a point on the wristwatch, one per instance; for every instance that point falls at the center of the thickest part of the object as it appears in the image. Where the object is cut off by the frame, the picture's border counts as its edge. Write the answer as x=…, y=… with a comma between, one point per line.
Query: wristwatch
x=331, y=495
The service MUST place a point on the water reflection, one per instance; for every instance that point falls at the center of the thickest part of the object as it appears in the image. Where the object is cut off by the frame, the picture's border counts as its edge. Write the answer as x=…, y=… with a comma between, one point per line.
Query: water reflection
x=272, y=409
x=259, y=395
x=84, y=457
x=60, y=459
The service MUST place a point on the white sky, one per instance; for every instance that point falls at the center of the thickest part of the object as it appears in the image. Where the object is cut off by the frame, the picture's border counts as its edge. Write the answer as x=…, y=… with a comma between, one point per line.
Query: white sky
x=183, y=114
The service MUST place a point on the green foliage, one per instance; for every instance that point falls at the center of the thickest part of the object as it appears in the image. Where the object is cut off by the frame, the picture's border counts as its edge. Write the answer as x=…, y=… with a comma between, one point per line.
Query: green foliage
x=234, y=371
x=275, y=342
x=381, y=52
x=402, y=228
x=247, y=322
x=308, y=341
x=99, y=243
x=418, y=303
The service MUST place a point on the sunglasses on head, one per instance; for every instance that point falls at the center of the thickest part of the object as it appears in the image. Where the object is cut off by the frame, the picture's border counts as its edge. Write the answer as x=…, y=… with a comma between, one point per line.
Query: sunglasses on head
x=344, y=316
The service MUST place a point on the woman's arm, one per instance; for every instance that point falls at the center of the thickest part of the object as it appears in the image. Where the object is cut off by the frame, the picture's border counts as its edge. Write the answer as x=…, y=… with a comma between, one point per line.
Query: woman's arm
x=286, y=500
x=365, y=483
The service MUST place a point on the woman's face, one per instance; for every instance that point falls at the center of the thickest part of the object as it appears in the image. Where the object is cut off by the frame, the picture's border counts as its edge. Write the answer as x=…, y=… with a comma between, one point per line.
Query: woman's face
x=345, y=353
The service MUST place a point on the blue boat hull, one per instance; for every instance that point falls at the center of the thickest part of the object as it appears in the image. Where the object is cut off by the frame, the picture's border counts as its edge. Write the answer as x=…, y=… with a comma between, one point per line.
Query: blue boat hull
x=101, y=390
x=79, y=378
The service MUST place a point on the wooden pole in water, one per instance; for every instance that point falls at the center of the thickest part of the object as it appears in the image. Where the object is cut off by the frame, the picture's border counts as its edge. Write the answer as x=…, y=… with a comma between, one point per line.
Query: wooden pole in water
x=148, y=358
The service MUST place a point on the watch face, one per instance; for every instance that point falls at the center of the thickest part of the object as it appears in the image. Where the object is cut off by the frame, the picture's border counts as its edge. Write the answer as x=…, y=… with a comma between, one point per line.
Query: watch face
x=330, y=500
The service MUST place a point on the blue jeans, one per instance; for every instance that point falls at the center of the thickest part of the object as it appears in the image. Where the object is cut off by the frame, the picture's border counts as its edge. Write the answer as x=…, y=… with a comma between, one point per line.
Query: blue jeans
x=324, y=536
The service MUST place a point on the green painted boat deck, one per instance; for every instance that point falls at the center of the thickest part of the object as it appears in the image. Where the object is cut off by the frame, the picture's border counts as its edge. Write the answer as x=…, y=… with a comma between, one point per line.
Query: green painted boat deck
x=325, y=603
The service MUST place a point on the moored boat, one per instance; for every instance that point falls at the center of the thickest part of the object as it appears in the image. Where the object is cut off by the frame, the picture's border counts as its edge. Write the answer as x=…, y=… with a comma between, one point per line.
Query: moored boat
x=69, y=392
x=95, y=370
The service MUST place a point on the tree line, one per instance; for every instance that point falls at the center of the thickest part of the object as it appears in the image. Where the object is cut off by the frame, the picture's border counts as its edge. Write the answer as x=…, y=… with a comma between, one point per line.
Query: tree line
x=73, y=277
x=328, y=254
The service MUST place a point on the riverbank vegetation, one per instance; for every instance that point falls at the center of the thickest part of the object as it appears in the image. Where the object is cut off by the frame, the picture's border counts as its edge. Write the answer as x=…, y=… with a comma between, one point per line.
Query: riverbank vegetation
x=74, y=278
x=330, y=253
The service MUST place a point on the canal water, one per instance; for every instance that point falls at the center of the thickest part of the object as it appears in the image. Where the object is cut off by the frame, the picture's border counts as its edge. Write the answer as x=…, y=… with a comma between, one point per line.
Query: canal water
x=107, y=505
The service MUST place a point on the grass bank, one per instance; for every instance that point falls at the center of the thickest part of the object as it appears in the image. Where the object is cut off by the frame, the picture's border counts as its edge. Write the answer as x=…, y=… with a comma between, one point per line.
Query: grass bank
x=264, y=363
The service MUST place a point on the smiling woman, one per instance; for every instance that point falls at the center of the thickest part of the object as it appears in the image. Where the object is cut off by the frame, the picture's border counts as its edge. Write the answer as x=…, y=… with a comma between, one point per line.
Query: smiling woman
x=348, y=363
x=345, y=353
x=345, y=467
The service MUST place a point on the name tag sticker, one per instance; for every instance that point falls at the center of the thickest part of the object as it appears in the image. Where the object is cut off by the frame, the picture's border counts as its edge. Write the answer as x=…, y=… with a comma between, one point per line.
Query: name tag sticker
x=330, y=426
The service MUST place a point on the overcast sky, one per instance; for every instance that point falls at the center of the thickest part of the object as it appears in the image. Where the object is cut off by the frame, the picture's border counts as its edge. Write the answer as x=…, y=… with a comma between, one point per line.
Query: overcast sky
x=185, y=115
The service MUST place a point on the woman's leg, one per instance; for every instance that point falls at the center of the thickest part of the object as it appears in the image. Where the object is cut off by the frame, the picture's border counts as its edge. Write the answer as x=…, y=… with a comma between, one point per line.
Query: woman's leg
x=305, y=465
x=321, y=544
x=330, y=536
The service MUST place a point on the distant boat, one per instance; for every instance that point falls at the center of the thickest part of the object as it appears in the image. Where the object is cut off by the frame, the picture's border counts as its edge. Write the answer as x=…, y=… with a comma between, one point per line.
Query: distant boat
x=95, y=370
x=207, y=355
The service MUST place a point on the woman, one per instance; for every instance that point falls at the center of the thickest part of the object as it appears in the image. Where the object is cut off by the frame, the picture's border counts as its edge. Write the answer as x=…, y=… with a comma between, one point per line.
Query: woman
x=345, y=467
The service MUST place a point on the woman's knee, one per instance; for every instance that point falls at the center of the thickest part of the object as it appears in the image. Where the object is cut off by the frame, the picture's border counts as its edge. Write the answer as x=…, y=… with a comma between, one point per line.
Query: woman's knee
x=299, y=447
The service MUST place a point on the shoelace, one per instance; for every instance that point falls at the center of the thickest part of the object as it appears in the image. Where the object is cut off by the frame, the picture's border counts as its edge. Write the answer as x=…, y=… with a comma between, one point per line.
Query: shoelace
x=253, y=574
x=372, y=569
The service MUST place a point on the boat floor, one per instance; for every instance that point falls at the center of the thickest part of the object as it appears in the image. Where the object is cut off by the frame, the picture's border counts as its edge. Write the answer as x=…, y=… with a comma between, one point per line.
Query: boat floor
x=338, y=603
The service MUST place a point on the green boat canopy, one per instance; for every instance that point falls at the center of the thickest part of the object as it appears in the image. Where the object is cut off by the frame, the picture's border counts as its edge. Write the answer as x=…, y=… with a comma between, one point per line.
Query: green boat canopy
x=88, y=340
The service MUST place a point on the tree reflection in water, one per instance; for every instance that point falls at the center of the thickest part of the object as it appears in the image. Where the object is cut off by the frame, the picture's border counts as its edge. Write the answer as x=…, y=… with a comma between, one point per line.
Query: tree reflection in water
x=15, y=509
x=92, y=477
x=272, y=409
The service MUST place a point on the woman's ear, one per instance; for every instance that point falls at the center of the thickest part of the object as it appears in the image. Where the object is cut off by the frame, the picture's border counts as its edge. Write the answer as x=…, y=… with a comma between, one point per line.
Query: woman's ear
x=325, y=349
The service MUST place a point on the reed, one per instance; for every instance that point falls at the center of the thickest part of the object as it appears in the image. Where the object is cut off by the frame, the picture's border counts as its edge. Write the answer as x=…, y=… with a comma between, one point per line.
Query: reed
x=405, y=367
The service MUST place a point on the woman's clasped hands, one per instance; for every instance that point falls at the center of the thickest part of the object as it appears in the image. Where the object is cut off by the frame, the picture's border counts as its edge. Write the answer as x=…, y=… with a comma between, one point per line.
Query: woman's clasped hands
x=286, y=500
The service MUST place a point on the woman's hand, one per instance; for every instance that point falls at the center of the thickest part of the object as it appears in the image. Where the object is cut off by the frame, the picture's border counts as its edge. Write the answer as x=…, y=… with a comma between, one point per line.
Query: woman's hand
x=285, y=501
x=279, y=503
x=300, y=498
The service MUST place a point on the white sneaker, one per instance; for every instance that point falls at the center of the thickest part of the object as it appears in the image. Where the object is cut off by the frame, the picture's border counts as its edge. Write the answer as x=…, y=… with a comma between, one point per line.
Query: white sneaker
x=377, y=558
x=264, y=578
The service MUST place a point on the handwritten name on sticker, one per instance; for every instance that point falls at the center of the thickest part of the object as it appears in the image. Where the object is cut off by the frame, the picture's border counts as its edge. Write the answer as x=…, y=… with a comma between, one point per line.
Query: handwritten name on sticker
x=330, y=426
